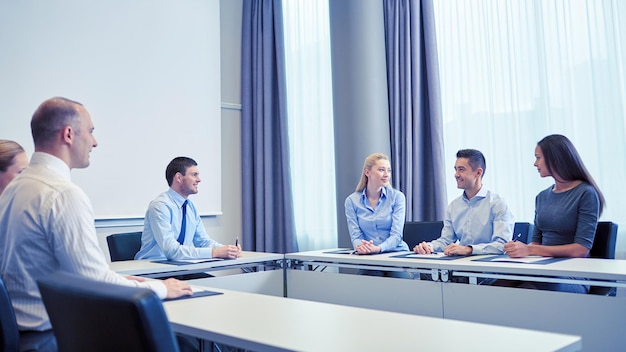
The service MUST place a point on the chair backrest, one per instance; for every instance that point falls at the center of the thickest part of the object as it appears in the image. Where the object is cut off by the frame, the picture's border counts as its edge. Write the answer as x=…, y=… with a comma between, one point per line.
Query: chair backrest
x=124, y=246
x=604, y=247
x=88, y=315
x=525, y=229
x=604, y=241
x=419, y=231
x=10, y=336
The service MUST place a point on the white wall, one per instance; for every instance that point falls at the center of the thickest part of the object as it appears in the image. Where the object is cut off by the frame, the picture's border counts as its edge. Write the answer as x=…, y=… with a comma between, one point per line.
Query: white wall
x=226, y=227
x=148, y=71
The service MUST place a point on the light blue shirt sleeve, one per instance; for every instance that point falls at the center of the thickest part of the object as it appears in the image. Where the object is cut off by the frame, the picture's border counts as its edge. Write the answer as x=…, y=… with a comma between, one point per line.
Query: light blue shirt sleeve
x=383, y=225
x=483, y=222
x=162, y=227
x=447, y=233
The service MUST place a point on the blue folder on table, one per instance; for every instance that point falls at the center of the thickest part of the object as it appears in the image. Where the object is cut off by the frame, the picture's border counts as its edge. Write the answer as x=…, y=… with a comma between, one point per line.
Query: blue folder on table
x=503, y=258
x=437, y=256
x=183, y=262
x=197, y=294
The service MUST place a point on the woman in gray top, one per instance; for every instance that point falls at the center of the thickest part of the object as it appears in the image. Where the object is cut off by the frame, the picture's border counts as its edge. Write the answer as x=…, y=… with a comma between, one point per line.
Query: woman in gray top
x=566, y=213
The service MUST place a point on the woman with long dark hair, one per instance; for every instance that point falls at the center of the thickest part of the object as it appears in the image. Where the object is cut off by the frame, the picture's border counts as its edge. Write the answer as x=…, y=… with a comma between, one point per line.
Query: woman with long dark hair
x=566, y=213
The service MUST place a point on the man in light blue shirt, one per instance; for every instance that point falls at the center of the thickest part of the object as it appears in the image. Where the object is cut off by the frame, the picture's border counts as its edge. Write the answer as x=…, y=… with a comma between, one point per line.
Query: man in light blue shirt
x=163, y=234
x=477, y=222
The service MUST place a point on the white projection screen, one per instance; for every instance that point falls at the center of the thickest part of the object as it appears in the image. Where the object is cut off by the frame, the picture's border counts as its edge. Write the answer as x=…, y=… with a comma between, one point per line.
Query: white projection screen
x=148, y=71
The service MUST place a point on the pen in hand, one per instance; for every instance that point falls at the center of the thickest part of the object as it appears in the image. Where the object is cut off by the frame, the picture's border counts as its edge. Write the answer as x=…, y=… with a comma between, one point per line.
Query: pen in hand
x=515, y=239
x=236, y=241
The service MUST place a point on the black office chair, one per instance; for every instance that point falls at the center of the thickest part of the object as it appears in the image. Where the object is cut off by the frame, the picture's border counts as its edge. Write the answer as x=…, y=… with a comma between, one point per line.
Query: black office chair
x=525, y=229
x=419, y=231
x=89, y=315
x=604, y=247
x=124, y=246
x=10, y=339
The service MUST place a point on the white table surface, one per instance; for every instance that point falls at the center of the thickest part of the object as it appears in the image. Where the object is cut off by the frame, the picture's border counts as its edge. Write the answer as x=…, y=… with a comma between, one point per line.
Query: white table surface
x=147, y=267
x=598, y=319
x=267, y=323
x=383, y=259
x=591, y=268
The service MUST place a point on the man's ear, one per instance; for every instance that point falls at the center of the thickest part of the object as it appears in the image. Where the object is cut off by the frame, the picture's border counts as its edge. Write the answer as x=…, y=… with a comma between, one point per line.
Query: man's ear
x=67, y=133
x=479, y=172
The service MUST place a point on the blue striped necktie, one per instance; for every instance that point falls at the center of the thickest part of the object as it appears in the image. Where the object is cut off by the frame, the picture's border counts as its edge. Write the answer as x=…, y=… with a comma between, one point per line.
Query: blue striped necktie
x=181, y=236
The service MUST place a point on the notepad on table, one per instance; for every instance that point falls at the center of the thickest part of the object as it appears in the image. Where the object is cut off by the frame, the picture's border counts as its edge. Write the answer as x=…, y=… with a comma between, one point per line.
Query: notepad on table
x=196, y=261
x=186, y=261
x=427, y=256
x=341, y=251
x=434, y=255
x=528, y=260
x=197, y=292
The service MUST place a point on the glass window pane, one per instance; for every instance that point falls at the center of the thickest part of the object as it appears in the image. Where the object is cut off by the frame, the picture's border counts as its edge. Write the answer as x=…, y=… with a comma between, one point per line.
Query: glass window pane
x=310, y=124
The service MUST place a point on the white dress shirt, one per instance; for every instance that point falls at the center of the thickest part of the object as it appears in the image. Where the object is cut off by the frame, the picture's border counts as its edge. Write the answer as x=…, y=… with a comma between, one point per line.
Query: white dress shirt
x=47, y=224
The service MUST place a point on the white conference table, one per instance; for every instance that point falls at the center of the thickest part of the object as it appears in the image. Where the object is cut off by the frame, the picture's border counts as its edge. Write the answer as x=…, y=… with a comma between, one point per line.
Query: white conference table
x=601, y=272
x=266, y=323
x=319, y=281
x=256, y=272
x=598, y=319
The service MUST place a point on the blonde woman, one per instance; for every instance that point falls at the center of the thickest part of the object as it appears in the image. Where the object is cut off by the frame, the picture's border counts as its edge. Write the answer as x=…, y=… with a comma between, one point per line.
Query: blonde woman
x=375, y=211
x=13, y=160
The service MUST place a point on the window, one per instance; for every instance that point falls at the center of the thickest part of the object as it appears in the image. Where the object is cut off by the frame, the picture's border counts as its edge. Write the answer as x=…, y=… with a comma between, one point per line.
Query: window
x=515, y=71
x=310, y=124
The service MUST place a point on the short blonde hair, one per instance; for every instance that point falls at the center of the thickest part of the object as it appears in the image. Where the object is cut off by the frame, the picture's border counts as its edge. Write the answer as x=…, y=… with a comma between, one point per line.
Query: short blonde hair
x=367, y=165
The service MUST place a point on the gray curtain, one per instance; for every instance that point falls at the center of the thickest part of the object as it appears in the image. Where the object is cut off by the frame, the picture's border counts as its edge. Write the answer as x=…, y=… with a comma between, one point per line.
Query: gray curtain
x=266, y=190
x=415, y=108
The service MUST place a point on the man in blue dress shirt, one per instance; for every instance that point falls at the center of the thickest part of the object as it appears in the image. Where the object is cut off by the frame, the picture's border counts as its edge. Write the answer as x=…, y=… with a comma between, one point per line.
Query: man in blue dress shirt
x=477, y=222
x=163, y=234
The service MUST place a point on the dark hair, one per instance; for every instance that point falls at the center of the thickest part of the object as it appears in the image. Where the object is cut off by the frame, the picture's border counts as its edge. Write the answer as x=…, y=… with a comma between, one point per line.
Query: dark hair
x=562, y=159
x=178, y=164
x=51, y=117
x=475, y=157
x=8, y=151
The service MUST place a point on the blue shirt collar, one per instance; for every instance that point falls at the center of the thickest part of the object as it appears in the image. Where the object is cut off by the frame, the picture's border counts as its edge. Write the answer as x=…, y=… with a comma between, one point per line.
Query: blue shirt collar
x=482, y=193
x=177, y=198
x=383, y=194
